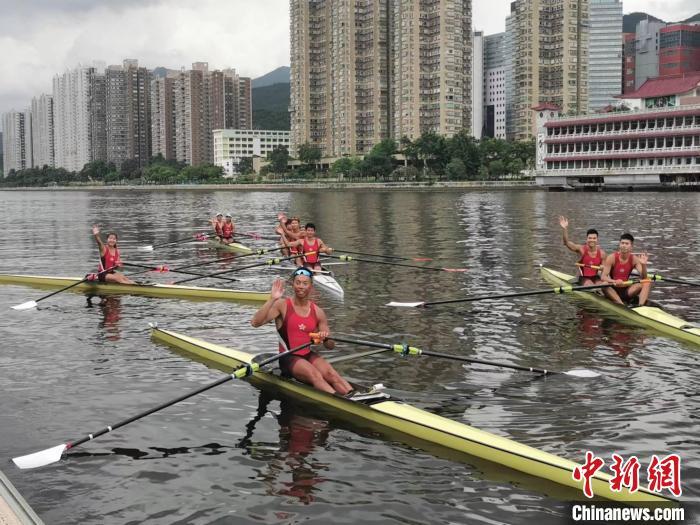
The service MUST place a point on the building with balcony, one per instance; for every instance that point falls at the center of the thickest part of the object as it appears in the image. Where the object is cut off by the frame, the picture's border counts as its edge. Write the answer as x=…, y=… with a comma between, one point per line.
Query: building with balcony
x=654, y=143
x=233, y=145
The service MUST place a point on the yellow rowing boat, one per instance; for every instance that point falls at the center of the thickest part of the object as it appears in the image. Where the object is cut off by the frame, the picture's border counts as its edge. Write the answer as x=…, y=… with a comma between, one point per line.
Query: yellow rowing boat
x=649, y=316
x=150, y=290
x=412, y=422
x=234, y=247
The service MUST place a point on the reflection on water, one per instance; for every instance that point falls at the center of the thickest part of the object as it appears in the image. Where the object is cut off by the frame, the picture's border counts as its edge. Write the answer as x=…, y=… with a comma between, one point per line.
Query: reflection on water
x=67, y=368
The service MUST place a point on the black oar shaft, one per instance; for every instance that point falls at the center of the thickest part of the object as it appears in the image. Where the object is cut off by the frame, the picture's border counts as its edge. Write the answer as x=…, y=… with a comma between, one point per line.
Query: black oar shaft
x=269, y=262
x=559, y=289
x=260, y=251
x=85, y=279
x=177, y=270
x=187, y=395
x=349, y=258
x=488, y=363
x=393, y=257
x=661, y=278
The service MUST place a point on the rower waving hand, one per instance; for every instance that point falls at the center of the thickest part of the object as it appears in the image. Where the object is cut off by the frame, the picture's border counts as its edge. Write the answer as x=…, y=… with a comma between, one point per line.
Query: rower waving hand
x=110, y=259
x=591, y=254
x=296, y=318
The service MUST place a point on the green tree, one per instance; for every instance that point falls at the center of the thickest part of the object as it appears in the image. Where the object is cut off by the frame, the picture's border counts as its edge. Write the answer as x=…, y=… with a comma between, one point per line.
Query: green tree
x=432, y=151
x=279, y=158
x=245, y=166
x=309, y=154
x=456, y=170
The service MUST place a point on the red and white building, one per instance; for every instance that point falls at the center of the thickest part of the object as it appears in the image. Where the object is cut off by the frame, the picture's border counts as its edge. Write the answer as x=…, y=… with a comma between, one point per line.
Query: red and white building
x=656, y=141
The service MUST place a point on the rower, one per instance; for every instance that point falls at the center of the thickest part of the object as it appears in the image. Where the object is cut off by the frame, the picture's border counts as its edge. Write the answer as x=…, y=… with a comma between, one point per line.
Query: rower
x=296, y=318
x=109, y=259
x=617, y=269
x=228, y=229
x=217, y=222
x=311, y=243
x=290, y=231
x=592, y=255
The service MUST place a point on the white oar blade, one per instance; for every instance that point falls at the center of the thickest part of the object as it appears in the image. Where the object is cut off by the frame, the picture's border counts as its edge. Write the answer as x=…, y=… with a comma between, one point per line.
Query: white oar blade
x=41, y=458
x=25, y=306
x=148, y=248
x=405, y=305
x=582, y=373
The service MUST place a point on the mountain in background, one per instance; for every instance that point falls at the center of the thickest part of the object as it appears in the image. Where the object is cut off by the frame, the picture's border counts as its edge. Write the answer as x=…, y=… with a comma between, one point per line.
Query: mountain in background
x=630, y=20
x=271, y=100
x=276, y=76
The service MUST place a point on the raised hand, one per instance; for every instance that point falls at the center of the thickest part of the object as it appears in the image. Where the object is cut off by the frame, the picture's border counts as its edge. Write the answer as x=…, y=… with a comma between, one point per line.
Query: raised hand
x=563, y=222
x=277, y=290
x=95, y=229
x=643, y=258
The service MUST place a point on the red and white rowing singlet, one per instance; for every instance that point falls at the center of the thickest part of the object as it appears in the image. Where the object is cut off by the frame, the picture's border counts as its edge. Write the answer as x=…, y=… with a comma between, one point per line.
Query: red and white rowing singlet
x=295, y=328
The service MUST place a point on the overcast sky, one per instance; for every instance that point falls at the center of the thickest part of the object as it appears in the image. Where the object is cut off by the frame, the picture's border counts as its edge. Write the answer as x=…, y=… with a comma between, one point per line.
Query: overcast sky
x=39, y=38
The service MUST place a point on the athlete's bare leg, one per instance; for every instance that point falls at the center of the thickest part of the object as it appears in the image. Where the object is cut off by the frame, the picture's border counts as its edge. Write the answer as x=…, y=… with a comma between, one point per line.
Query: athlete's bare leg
x=330, y=375
x=302, y=370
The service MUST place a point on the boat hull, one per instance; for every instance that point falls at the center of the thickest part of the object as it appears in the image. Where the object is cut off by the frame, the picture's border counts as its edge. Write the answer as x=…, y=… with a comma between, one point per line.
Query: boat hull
x=234, y=247
x=149, y=290
x=413, y=422
x=648, y=316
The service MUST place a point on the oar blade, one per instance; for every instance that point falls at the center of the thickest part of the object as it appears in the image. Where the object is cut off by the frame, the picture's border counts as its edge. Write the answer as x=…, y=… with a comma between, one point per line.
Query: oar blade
x=25, y=306
x=405, y=305
x=148, y=248
x=421, y=259
x=582, y=372
x=454, y=270
x=41, y=458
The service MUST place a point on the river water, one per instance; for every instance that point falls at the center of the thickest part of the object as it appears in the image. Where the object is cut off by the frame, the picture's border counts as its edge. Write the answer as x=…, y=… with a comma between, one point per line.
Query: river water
x=232, y=455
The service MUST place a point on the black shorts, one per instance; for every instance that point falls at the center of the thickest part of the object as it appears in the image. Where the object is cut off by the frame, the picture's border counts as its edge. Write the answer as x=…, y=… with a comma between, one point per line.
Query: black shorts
x=595, y=279
x=102, y=277
x=623, y=293
x=286, y=362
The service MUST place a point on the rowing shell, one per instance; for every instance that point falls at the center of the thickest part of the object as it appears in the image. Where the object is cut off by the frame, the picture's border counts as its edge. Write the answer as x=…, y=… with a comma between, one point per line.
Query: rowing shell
x=649, y=316
x=150, y=290
x=411, y=421
x=323, y=279
x=234, y=247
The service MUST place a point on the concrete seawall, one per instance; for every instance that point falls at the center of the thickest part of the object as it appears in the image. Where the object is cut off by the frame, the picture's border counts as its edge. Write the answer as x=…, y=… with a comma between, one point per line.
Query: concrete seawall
x=13, y=509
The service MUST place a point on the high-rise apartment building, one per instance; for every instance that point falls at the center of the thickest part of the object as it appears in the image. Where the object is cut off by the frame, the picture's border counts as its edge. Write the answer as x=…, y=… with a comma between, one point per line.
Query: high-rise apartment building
x=365, y=70
x=679, y=49
x=163, y=117
x=551, y=58
x=509, y=51
x=128, y=115
x=494, y=100
x=477, y=94
x=42, y=131
x=189, y=105
x=79, y=118
x=605, y=53
x=17, y=141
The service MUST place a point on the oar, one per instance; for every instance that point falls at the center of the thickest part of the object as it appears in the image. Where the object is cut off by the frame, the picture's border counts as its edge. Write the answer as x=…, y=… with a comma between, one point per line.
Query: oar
x=259, y=251
x=393, y=257
x=269, y=262
x=405, y=350
x=53, y=454
x=349, y=258
x=195, y=237
x=166, y=269
x=257, y=236
x=654, y=277
x=33, y=304
x=657, y=277
x=559, y=289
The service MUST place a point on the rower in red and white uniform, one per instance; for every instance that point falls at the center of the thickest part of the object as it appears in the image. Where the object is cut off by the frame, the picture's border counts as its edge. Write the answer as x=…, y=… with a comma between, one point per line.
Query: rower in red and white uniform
x=228, y=229
x=217, y=222
x=296, y=318
x=591, y=254
x=290, y=231
x=311, y=243
x=110, y=259
x=618, y=267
